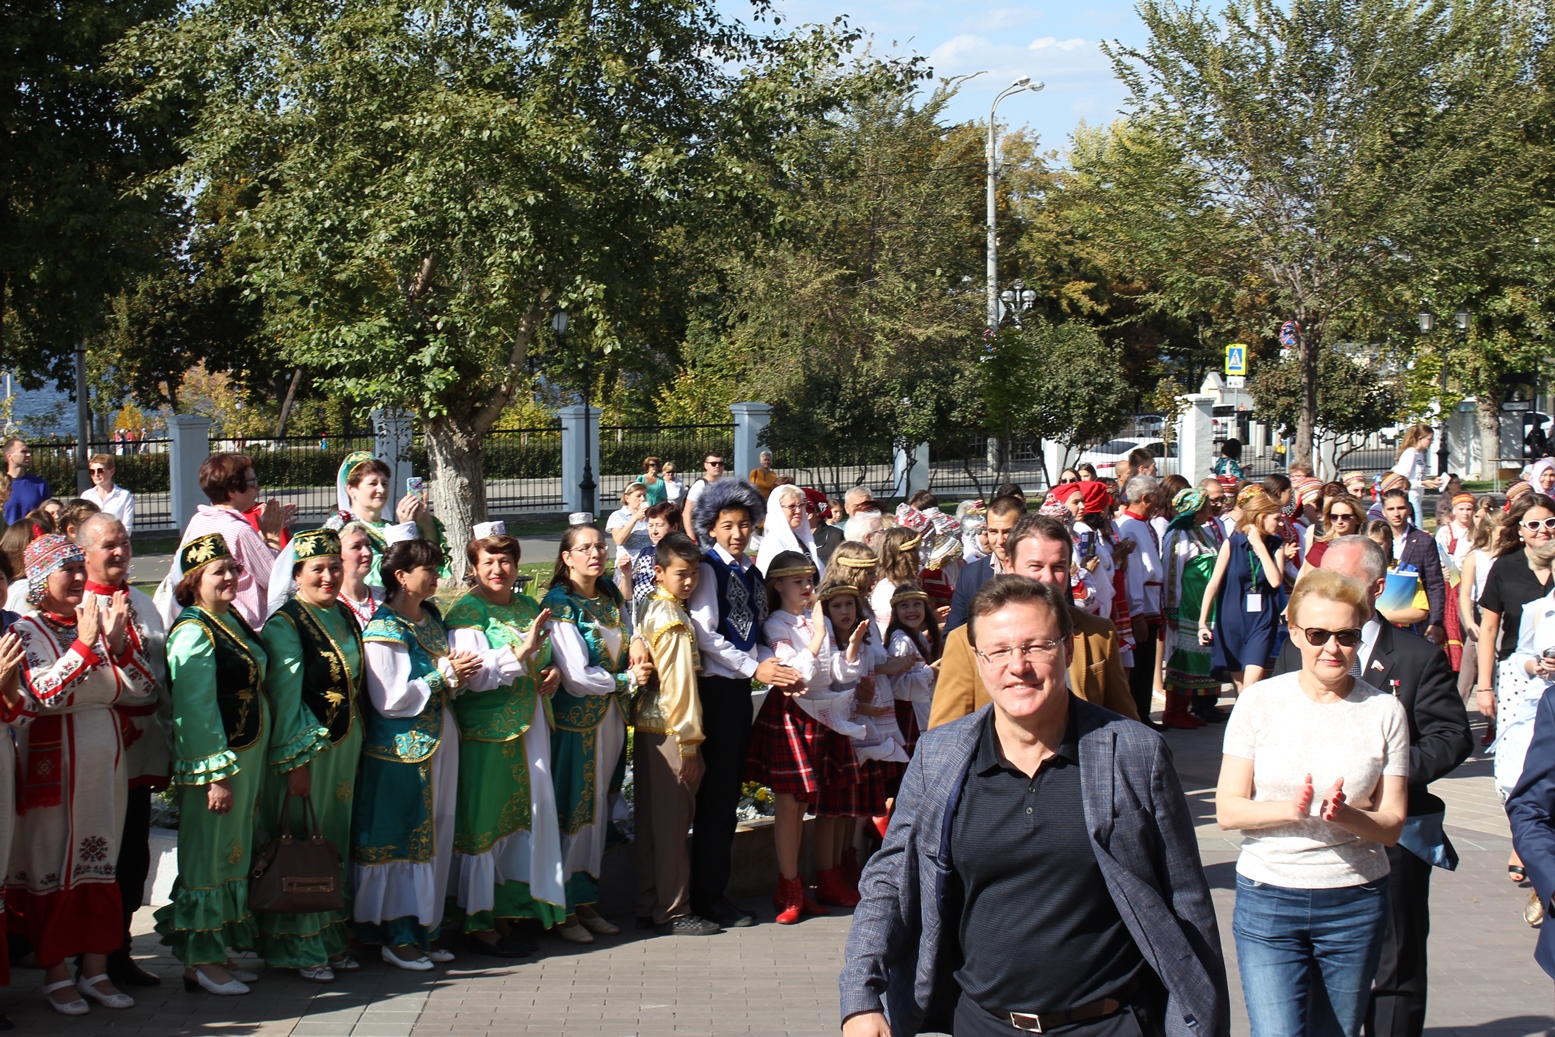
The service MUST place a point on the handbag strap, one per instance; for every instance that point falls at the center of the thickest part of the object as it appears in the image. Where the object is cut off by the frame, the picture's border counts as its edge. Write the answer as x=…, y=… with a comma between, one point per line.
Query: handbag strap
x=310, y=819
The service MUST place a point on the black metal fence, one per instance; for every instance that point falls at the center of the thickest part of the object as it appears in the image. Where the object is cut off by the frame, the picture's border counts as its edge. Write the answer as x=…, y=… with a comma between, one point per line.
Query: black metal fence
x=299, y=470
x=140, y=466
x=523, y=469
x=622, y=449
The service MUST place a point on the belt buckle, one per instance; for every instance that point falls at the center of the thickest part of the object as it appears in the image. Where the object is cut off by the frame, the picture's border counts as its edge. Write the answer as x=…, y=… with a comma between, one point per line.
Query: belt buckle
x=1026, y=1021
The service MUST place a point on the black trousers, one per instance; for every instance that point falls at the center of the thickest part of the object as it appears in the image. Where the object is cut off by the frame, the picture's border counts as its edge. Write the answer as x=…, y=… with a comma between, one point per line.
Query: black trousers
x=726, y=728
x=1397, y=1006
x=1141, y=679
x=134, y=855
x=1132, y=1020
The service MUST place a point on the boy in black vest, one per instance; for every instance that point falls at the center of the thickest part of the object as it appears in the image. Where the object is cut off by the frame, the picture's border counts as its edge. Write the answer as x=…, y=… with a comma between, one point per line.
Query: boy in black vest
x=727, y=610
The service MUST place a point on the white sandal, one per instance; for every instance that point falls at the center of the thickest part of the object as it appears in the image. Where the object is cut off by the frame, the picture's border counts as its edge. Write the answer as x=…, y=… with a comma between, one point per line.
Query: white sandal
x=76, y=1007
x=88, y=989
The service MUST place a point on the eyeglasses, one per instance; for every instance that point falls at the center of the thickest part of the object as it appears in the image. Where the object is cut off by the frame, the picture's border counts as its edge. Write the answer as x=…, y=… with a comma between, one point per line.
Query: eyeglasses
x=98, y=471
x=1347, y=638
x=1534, y=525
x=1029, y=652
x=252, y=482
x=713, y=464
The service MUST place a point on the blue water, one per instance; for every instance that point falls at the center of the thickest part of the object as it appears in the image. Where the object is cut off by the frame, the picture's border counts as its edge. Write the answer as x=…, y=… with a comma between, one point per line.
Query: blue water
x=40, y=412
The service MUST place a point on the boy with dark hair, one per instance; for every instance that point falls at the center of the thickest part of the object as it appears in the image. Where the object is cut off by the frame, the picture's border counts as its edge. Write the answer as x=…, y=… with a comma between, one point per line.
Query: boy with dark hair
x=727, y=607
x=668, y=719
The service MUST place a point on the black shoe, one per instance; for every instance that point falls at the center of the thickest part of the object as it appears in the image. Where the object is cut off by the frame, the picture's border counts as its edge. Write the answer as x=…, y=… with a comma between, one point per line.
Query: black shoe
x=689, y=925
x=646, y=922
x=727, y=914
x=5, y=1022
x=125, y=971
x=510, y=946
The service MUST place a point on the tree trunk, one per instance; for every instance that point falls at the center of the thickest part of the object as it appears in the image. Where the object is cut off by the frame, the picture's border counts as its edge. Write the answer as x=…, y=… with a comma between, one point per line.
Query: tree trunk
x=1487, y=417
x=286, y=404
x=455, y=453
x=1306, y=425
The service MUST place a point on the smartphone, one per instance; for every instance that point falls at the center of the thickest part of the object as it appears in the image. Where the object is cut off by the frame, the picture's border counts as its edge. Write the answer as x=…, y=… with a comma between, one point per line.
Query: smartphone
x=1549, y=654
x=416, y=485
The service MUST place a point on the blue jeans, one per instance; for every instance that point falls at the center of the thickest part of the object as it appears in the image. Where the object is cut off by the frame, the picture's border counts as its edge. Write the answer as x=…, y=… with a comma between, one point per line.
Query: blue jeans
x=1308, y=956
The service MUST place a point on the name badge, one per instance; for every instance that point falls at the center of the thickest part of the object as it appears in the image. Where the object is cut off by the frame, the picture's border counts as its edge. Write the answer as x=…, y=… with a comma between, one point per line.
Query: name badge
x=1255, y=602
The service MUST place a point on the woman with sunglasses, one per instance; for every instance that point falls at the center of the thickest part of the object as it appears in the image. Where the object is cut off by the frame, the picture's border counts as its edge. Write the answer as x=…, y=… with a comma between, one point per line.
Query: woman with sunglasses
x=1314, y=773
x=115, y=500
x=1517, y=578
x=1342, y=516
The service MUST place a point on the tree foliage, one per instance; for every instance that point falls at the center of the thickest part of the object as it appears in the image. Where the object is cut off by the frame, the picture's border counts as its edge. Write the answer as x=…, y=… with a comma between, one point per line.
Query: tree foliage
x=1299, y=157
x=431, y=180
x=1353, y=397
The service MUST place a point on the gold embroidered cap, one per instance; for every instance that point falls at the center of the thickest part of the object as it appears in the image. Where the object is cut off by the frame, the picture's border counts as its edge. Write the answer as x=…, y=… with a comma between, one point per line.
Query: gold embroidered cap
x=202, y=551
x=316, y=543
x=856, y=563
x=836, y=590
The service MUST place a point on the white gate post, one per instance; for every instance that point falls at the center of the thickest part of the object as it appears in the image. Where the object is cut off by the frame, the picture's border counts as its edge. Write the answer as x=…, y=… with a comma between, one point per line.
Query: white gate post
x=573, y=435
x=190, y=445
x=1196, y=436
x=750, y=421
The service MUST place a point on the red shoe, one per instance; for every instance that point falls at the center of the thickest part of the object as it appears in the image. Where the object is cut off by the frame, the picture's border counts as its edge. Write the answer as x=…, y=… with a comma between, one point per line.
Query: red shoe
x=1176, y=714
x=808, y=905
x=789, y=900
x=832, y=887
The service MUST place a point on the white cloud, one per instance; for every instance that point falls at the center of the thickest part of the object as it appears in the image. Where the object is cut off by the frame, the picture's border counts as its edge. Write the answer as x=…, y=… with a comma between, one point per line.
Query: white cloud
x=1044, y=42
x=956, y=47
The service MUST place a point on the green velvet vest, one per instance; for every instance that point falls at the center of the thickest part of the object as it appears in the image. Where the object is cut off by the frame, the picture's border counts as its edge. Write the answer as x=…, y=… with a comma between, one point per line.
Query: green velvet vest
x=239, y=677
x=410, y=739
x=329, y=688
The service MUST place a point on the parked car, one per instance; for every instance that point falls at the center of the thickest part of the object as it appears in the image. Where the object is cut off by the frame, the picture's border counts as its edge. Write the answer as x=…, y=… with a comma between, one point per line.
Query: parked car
x=1223, y=422
x=1149, y=422
x=1105, y=458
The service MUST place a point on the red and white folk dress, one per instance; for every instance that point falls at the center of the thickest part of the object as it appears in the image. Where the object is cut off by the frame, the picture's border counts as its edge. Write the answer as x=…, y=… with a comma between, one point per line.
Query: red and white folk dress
x=72, y=788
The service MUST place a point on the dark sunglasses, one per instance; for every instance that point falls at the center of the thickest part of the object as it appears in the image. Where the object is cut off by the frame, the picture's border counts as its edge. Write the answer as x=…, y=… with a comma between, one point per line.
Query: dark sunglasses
x=713, y=464
x=97, y=471
x=1317, y=636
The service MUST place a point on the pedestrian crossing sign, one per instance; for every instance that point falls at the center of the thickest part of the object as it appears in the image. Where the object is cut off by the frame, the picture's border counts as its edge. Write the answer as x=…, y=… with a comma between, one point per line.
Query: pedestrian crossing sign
x=1236, y=359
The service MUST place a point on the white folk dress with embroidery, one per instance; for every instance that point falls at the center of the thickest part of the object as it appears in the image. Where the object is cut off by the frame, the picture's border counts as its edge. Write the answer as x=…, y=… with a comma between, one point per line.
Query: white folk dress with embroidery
x=882, y=738
x=401, y=888
x=790, y=635
x=916, y=685
x=149, y=733
x=585, y=849
x=533, y=855
x=61, y=848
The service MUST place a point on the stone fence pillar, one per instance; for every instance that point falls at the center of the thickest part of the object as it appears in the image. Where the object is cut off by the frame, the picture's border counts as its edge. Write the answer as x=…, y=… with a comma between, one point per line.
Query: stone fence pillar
x=1196, y=436
x=574, y=432
x=750, y=421
x=190, y=445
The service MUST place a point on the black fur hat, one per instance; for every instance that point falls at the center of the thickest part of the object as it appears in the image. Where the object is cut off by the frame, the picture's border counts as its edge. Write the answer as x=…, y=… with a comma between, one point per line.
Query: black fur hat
x=724, y=495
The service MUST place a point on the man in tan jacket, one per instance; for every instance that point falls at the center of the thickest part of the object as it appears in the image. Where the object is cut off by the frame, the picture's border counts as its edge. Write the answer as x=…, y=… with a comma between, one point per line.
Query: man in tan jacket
x=1039, y=547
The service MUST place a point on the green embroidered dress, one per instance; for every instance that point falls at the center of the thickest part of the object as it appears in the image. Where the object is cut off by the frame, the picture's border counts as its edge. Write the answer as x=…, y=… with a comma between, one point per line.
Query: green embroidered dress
x=402, y=827
x=1189, y=555
x=507, y=846
x=589, y=638
x=221, y=731
x=314, y=684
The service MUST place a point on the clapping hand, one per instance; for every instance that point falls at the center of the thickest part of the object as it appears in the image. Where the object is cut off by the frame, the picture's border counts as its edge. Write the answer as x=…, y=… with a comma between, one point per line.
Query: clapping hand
x=1301, y=806
x=118, y=623
x=465, y=665
x=88, y=621
x=535, y=638
x=11, y=655
x=1333, y=799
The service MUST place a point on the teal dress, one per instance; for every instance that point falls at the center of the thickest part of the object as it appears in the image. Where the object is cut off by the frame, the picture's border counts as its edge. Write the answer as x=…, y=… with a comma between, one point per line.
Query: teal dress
x=589, y=639
x=402, y=828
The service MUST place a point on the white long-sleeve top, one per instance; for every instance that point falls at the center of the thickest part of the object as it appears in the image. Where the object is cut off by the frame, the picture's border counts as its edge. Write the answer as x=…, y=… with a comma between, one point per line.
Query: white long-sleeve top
x=790, y=636
x=916, y=684
x=719, y=657
x=499, y=666
x=882, y=737
x=390, y=687
x=570, y=653
x=1145, y=577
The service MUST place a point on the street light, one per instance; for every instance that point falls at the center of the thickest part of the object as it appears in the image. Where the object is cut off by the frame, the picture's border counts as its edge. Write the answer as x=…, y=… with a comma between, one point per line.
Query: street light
x=1427, y=325
x=1023, y=83
x=586, y=486
x=1018, y=300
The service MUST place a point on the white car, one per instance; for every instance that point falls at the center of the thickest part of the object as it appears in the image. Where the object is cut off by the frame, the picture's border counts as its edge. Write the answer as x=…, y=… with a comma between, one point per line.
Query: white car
x=1105, y=458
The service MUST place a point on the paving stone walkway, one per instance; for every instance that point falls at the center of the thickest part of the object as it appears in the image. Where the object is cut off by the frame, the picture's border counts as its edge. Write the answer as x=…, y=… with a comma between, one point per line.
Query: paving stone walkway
x=773, y=981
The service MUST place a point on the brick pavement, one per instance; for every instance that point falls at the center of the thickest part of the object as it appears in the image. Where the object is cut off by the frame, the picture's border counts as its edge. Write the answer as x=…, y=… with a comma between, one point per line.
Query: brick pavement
x=773, y=981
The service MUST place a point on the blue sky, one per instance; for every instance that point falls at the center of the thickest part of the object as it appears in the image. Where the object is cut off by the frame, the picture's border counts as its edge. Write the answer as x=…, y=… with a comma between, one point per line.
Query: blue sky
x=1055, y=42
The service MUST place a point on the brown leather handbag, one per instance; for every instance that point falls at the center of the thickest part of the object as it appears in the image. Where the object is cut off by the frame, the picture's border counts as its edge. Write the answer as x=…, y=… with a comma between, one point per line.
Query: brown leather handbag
x=296, y=876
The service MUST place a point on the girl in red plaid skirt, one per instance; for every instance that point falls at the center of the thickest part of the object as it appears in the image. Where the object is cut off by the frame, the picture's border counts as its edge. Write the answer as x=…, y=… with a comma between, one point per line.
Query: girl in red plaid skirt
x=795, y=742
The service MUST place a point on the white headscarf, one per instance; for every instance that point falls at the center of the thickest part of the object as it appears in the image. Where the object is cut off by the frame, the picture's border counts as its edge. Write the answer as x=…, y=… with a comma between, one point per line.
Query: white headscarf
x=779, y=536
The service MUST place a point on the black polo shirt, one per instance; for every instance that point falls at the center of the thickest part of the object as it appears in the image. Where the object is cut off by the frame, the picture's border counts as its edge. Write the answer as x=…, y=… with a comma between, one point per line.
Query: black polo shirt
x=1039, y=930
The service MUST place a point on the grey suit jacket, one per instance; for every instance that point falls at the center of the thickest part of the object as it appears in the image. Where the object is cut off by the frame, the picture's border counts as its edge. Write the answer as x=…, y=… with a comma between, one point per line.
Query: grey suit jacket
x=903, y=949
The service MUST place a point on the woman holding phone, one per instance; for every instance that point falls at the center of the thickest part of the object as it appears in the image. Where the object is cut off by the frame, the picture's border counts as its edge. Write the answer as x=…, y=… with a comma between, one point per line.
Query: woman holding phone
x=362, y=491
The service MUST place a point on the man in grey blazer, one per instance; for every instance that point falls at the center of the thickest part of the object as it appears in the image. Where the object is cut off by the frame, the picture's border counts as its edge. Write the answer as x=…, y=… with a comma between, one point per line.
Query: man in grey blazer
x=1041, y=871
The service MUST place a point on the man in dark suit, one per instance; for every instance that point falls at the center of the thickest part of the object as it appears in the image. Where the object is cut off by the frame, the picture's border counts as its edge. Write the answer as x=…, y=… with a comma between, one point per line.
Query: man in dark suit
x=1417, y=672
x=1531, y=809
x=1041, y=871
x=1003, y=512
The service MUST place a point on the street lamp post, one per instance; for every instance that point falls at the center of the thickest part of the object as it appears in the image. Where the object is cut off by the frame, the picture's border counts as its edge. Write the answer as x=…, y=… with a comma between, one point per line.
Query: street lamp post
x=1427, y=325
x=1018, y=299
x=586, y=485
x=1023, y=83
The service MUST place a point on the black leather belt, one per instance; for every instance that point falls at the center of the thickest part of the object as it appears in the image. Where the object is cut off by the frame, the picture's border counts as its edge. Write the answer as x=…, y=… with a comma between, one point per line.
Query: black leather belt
x=1052, y=1020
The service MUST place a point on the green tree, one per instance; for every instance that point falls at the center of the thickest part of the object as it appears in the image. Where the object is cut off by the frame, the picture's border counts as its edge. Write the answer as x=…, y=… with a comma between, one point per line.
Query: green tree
x=1301, y=156
x=71, y=236
x=1354, y=397
x=1053, y=382
x=433, y=179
